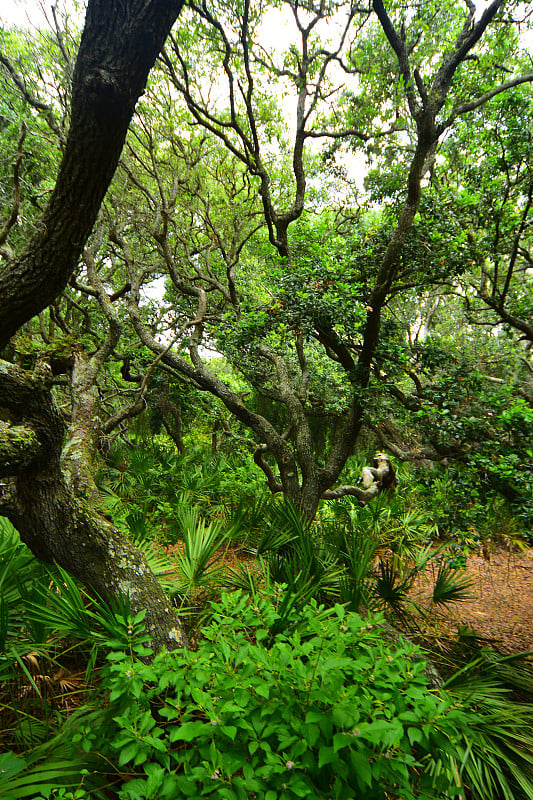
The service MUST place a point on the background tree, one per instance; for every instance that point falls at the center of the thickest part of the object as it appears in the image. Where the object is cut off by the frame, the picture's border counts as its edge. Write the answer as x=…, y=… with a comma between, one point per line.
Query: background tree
x=304, y=321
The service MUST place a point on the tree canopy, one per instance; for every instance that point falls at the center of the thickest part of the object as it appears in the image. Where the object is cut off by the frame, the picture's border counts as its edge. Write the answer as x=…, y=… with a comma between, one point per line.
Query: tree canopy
x=266, y=325
x=204, y=157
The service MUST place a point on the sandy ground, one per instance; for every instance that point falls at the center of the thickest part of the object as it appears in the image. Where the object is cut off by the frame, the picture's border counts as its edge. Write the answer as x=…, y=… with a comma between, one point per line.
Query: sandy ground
x=501, y=608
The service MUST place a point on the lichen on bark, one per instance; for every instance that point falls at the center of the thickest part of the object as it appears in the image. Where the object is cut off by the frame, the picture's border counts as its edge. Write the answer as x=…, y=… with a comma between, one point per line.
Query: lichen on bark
x=19, y=447
x=59, y=526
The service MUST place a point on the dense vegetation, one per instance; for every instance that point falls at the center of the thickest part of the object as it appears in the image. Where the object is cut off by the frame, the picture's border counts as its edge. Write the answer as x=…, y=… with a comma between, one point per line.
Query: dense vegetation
x=233, y=266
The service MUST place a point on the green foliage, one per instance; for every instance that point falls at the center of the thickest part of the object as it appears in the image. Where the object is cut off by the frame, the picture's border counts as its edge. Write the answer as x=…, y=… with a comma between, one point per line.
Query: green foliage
x=450, y=586
x=329, y=710
x=51, y=631
x=281, y=699
x=202, y=548
x=497, y=752
x=49, y=634
x=304, y=562
x=152, y=481
x=53, y=778
x=39, y=148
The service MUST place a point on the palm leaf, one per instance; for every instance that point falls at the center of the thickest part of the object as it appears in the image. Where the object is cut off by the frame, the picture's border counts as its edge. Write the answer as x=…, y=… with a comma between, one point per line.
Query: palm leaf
x=391, y=591
x=450, y=586
x=18, y=779
x=202, y=546
x=497, y=746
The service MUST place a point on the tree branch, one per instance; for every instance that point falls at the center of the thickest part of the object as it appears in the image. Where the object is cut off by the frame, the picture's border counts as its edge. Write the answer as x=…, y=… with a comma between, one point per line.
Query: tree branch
x=16, y=194
x=120, y=42
x=465, y=108
x=19, y=449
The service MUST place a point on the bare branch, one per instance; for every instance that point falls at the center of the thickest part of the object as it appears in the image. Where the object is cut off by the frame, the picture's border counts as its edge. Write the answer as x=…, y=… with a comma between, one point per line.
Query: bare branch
x=468, y=38
x=16, y=184
x=259, y=458
x=363, y=495
x=398, y=45
x=31, y=99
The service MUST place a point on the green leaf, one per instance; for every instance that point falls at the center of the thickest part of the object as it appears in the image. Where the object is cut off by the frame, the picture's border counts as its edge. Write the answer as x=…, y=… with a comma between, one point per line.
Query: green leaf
x=414, y=735
x=128, y=753
x=229, y=730
x=340, y=740
x=188, y=731
x=361, y=768
x=263, y=690
x=326, y=755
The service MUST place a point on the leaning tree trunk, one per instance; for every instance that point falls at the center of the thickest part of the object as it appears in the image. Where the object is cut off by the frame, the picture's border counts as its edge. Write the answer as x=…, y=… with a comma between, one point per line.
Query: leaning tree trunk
x=55, y=524
x=120, y=42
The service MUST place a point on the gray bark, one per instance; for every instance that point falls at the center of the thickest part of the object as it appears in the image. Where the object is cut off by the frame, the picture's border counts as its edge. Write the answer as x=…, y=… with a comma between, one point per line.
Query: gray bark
x=120, y=43
x=58, y=526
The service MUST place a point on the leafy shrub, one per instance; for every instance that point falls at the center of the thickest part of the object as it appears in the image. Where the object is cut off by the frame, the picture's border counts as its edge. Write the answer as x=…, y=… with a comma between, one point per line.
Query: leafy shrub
x=329, y=710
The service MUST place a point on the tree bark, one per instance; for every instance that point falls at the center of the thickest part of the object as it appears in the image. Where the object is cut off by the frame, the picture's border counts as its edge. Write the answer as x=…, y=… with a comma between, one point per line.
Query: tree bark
x=172, y=421
x=119, y=45
x=58, y=526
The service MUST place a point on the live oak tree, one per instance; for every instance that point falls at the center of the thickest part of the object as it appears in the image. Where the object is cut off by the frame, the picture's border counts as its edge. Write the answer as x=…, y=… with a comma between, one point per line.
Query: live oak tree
x=405, y=89
x=472, y=329
x=118, y=47
x=470, y=369
x=496, y=201
x=202, y=251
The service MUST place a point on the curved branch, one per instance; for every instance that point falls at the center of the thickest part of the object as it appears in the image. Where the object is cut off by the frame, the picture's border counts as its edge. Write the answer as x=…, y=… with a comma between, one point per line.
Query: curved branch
x=31, y=99
x=120, y=42
x=259, y=458
x=398, y=45
x=465, y=108
x=363, y=495
x=505, y=316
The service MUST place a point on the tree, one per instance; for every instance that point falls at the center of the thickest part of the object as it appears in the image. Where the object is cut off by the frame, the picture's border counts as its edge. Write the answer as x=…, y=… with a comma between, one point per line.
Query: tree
x=305, y=321
x=118, y=47
x=496, y=197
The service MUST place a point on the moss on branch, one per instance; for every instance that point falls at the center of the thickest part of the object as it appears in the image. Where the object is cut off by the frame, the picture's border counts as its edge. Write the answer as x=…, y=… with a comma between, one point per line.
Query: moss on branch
x=19, y=448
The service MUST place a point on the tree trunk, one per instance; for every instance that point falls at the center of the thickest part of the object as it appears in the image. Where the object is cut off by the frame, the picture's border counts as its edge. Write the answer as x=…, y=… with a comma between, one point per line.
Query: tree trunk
x=54, y=523
x=77, y=455
x=310, y=496
x=120, y=43
x=59, y=528
x=172, y=420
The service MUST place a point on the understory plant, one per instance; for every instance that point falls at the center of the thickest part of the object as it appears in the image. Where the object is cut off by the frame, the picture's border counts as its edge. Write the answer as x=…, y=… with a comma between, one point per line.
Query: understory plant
x=369, y=558
x=330, y=706
x=330, y=709
x=283, y=698
x=52, y=638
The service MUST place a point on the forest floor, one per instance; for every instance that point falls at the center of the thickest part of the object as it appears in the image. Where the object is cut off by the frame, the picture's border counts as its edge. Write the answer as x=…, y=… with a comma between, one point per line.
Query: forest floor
x=501, y=608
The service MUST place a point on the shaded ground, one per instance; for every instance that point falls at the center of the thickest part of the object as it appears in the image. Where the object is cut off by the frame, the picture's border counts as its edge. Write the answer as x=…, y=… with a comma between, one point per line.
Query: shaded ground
x=501, y=608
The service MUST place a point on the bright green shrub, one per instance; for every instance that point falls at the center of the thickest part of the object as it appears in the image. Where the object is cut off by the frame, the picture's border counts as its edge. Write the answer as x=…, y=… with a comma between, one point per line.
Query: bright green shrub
x=330, y=710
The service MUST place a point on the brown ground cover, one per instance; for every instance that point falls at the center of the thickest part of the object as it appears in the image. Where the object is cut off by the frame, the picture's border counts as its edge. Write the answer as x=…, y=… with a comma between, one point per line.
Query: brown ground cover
x=501, y=608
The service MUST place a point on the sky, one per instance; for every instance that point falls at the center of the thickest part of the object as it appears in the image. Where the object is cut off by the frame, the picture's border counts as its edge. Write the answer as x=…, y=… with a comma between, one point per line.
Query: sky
x=26, y=13
x=34, y=13
x=22, y=13
x=29, y=13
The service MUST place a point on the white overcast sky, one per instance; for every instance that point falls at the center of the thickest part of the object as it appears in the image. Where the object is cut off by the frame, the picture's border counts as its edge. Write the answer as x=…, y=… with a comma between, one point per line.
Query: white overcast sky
x=28, y=13
x=22, y=13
